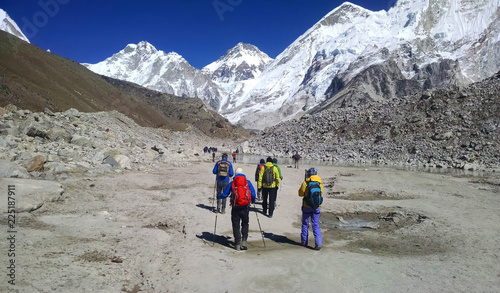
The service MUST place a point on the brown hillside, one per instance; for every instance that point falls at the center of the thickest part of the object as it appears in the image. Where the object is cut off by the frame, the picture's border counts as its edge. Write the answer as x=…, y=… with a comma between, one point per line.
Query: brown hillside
x=34, y=79
x=183, y=112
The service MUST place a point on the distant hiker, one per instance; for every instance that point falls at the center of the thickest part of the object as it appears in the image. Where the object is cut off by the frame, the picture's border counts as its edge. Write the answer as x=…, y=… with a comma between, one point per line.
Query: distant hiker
x=242, y=193
x=213, y=156
x=205, y=150
x=224, y=170
x=234, y=157
x=257, y=171
x=311, y=190
x=296, y=158
x=269, y=181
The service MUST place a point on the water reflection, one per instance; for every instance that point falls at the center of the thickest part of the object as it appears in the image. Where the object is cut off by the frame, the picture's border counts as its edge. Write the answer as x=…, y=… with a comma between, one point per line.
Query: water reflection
x=305, y=163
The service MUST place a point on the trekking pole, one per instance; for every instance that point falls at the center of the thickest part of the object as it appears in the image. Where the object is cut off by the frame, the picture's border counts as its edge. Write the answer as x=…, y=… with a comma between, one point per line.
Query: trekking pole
x=215, y=191
x=215, y=228
x=260, y=229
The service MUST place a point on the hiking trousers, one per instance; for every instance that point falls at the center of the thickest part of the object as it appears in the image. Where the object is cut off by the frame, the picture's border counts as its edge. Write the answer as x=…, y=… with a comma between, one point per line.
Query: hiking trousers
x=314, y=215
x=240, y=215
x=271, y=194
x=221, y=203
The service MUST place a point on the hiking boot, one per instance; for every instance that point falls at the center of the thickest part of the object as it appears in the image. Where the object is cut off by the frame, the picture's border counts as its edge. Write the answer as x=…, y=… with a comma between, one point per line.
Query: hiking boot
x=317, y=247
x=237, y=246
x=244, y=245
x=223, y=211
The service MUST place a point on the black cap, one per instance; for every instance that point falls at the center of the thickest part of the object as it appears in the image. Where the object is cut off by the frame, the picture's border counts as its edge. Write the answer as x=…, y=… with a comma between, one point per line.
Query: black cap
x=275, y=160
x=262, y=161
x=224, y=155
x=312, y=171
x=269, y=159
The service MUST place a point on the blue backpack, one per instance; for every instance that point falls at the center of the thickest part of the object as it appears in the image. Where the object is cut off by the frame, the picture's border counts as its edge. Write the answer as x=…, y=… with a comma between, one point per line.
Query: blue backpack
x=313, y=197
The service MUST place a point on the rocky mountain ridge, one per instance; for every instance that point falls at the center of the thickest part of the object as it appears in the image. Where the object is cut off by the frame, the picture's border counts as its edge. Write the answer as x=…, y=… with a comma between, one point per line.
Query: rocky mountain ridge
x=431, y=43
x=448, y=128
x=57, y=145
x=423, y=44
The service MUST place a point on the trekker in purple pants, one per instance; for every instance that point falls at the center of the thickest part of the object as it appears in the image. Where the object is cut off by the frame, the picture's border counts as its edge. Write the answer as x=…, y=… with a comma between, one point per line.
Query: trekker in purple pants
x=309, y=212
x=314, y=215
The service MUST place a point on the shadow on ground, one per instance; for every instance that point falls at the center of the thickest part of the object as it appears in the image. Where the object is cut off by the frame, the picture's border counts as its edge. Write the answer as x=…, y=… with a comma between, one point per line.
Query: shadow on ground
x=211, y=239
x=281, y=239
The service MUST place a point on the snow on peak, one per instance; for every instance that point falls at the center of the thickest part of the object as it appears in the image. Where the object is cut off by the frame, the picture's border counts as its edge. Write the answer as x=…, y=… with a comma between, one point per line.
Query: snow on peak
x=242, y=62
x=134, y=59
x=351, y=38
x=8, y=25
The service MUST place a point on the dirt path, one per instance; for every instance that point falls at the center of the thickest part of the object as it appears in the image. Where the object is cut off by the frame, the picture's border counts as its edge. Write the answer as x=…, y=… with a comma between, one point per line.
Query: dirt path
x=152, y=232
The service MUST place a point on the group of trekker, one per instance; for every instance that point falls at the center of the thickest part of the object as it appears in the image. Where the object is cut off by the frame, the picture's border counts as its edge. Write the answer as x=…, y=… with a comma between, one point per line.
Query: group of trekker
x=268, y=178
x=209, y=150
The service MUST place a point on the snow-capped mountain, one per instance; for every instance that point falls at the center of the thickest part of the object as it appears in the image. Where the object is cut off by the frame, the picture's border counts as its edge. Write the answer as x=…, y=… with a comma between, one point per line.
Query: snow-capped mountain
x=350, y=57
x=421, y=43
x=243, y=62
x=8, y=25
x=143, y=64
x=240, y=65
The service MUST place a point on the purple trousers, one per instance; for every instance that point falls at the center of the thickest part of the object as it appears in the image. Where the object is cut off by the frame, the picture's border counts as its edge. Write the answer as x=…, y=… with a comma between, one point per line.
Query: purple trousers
x=314, y=215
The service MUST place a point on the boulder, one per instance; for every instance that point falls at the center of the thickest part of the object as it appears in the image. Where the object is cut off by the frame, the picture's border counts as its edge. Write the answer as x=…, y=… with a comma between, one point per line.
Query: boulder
x=110, y=161
x=123, y=161
x=81, y=141
x=11, y=169
x=36, y=164
x=28, y=195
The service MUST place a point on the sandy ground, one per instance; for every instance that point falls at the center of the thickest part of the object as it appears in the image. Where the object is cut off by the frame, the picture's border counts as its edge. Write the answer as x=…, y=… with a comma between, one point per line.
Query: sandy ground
x=154, y=232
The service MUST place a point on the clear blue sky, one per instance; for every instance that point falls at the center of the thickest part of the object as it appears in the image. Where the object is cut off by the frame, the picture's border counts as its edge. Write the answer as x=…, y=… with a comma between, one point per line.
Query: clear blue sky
x=89, y=31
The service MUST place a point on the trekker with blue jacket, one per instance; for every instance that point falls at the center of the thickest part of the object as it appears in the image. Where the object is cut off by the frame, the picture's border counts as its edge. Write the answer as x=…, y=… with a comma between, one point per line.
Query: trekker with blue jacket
x=242, y=194
x=223, y=170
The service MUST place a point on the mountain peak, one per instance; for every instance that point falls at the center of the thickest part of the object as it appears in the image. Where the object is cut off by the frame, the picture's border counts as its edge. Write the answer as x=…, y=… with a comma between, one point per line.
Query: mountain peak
x=8, y=25
x=343, y=14
x=142, y=47
x=242, y=62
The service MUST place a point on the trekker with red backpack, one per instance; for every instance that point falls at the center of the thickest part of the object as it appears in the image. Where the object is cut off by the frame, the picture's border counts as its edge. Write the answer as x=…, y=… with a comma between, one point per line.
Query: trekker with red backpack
x=224, y=171
x=242, y=194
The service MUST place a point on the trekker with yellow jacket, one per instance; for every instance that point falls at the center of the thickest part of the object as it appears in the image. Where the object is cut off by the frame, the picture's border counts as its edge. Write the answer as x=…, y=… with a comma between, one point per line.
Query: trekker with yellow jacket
x=269, y=181
x=311, y=190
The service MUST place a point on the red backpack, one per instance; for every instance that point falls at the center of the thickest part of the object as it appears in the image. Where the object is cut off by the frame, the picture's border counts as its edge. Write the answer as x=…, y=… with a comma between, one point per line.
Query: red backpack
x=241, y=192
